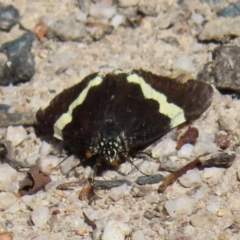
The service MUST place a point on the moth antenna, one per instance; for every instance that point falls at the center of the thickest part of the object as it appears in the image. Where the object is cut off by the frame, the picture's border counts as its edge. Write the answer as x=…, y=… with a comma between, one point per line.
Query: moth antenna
x=62, y=162
x=127, y=158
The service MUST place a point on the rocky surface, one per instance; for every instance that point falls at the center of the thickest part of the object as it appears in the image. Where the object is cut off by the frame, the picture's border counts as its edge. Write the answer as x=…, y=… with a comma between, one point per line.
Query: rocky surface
x=166, y=37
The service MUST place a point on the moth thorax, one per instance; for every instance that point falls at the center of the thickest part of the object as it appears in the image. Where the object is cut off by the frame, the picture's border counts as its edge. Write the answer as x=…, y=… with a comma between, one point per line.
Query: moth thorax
x=109, y=149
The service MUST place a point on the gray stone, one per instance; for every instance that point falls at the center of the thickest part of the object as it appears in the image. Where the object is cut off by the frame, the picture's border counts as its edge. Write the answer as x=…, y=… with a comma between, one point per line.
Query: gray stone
x=9, y=17
x=224, y=70
x=20, y=63
x=68, y=29
x=233, y=10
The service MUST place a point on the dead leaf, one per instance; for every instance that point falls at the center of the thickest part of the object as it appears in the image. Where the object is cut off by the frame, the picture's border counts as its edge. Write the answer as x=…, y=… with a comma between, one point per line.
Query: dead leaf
x=34, y=181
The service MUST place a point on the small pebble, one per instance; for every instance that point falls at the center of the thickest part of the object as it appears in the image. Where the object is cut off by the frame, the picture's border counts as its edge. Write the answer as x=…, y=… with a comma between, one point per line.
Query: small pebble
x=45, y=149
x=186, y=151
x=7, y=200
x=204, y=219
x=116, y=230
x=102, y=11
x=213, y=208
x=197, y=18
x=117, y=20
x=12, y=187
x=68, y=29
x=179, y=206
x=223, y=141
x=7, y=175
x=31, y=18
x=183, y=63
x=149, y=214
x=32, y=160
x=67, y=165
x=33, y=201
x=203, y=147
x=118, y=192
x=3, y=228
x=212, y=175
x=49, y=164
x=77, y=224
x=191, y=179
x=138, y=235
x=16, y=135
x=9, y=16
x=150, y=179
x=164, y=148
x=100, y=223
x=206, y=137
x=81, y=16
x=128, y=3
x=40, y=216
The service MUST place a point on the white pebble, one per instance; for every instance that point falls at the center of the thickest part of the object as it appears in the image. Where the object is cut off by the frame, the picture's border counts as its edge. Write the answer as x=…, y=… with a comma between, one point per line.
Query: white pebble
x=33, y=201
x=185, y=151
x=118, y=192
x=117, y=20
x=100, y=223
x=180, y=206
x=12, y=187
x=49, y=164
x=7, y=200
x=206, y=137
x=149, y=167
x=33, y=159
x=45, y=149
x=212, y=175
x=101, y=10
x=53, y=185
x=204, y=219
x=16, y=135
x=164, y=148
x=202, y=192
x=191, y=179
x=138, y=235
x=128, y=3
x=183, y=63
x=124, y=168
x=203, y=147
x=7, y=175
x=116, y=230
x=32, y=136
x=213, y=208
x=40, y=216
x=77, y=224
x=81, y=16
x=17, y=207
x=197, y=18
x=67, y=165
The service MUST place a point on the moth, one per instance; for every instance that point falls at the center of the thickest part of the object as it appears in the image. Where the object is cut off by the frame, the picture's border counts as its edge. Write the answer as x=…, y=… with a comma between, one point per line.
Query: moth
x=106, y=119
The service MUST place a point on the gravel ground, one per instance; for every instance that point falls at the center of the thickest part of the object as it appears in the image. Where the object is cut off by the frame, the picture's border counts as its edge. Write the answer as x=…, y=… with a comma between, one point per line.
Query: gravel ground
x=167, y=38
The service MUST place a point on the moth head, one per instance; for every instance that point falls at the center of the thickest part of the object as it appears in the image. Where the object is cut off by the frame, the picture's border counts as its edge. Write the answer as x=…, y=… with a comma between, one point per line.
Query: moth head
x=110, y=150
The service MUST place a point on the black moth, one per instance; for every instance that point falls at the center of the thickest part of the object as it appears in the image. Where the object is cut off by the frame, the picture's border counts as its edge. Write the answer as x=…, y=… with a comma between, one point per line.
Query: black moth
x=107, y=119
